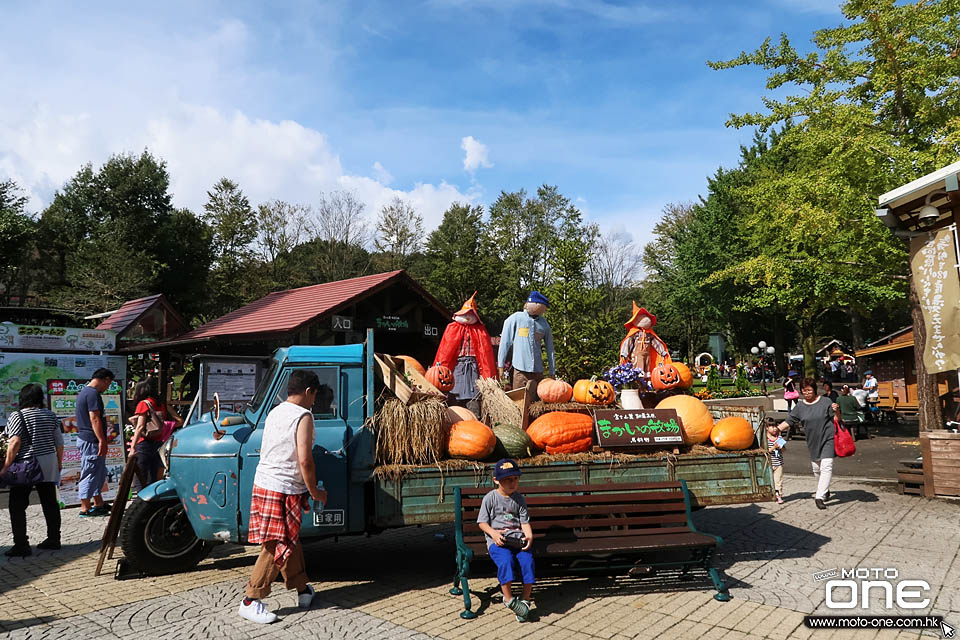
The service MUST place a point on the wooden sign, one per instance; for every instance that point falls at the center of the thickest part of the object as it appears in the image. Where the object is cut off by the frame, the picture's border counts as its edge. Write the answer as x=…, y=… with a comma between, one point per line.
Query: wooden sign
x=618, y=428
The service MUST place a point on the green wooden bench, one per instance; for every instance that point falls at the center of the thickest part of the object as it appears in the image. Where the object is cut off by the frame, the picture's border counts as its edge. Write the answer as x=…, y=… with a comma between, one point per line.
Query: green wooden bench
x=638, y=527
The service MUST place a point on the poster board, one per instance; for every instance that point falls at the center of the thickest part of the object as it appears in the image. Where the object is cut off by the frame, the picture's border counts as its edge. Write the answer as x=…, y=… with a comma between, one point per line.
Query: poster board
x=62, y=376
x=234, y=380
x=633, y=428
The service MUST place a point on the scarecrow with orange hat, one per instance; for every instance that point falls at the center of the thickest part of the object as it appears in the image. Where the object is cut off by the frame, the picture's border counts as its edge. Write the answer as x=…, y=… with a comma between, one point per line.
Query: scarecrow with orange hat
x=465, y=349
x=642, y=347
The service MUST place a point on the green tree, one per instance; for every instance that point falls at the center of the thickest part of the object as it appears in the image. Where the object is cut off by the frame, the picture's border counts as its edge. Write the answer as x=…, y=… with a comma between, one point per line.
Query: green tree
x=341, y=237
x=232, y=230
x=281, y=227
x=17, y=240
x=457, y=261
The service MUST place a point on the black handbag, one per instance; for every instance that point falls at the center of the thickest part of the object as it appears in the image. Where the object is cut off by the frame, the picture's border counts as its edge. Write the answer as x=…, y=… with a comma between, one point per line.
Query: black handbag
x=23, y=472
x=514, y=542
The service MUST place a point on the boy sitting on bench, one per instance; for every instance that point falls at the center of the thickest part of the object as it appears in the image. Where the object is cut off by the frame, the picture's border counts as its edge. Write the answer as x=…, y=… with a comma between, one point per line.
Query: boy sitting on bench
x=505, y=523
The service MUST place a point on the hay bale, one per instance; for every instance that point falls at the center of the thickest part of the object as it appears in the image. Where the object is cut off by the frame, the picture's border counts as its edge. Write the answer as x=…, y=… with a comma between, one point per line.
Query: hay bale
x=412, y=434
x=539, y=408
x=495, y=406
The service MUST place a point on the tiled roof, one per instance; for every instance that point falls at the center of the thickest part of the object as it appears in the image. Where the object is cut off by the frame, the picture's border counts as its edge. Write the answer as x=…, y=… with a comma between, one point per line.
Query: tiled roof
x=285, y=311
x=128, y=313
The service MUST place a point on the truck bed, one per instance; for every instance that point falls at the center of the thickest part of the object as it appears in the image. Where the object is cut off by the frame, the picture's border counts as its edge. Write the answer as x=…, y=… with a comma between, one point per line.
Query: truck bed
x=424, y=495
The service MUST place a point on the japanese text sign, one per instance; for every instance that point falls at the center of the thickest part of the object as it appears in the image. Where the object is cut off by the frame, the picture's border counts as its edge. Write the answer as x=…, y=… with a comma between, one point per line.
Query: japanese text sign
x=933, y=263
x=638, y=427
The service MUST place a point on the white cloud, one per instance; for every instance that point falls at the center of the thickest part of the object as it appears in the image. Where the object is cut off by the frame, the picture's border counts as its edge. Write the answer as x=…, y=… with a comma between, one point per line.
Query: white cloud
x=476, y=154
x=383, y=176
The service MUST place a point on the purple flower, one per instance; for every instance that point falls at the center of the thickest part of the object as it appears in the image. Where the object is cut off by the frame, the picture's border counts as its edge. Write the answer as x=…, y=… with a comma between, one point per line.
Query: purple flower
x=624, y=376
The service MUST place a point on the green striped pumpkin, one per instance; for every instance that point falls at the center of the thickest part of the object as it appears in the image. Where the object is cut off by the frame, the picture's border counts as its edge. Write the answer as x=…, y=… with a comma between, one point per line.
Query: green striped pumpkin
x=512, y=442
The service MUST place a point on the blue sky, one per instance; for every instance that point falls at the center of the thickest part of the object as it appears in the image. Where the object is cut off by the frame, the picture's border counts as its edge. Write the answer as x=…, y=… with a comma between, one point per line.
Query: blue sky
x=434, y=101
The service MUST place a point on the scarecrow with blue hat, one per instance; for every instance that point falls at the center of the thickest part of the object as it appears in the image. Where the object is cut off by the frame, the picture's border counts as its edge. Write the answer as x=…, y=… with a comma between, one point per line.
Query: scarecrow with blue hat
x=527, y=332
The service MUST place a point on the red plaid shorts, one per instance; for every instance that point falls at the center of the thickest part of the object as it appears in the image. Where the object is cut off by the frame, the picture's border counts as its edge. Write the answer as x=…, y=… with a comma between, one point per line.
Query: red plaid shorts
x=276, y=516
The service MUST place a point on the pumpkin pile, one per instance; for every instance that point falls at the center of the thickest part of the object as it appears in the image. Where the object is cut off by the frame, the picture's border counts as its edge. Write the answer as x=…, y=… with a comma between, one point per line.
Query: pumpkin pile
x=695, y=417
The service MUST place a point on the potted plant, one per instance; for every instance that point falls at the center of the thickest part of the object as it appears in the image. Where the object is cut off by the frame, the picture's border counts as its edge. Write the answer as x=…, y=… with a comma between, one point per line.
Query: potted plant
x=628, y=379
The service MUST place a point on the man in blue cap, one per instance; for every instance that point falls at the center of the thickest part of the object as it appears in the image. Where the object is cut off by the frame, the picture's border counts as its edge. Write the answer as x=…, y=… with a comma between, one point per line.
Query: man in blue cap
x=527, y=332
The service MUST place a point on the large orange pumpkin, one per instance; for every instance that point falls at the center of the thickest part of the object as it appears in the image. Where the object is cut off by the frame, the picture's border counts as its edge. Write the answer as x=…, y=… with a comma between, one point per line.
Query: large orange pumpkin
x=471, y=439
x=695, y=418
x=686, y=376
x=665, y=376
x=554, y=391
x=412, y=363
x=732, y=434
x=594, y=391
x=562, y=432
x=440, y=377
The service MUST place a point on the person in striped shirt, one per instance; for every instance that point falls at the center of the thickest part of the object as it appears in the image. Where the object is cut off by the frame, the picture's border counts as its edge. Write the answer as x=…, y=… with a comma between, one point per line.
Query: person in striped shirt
x=775, y=444
x=34, y=432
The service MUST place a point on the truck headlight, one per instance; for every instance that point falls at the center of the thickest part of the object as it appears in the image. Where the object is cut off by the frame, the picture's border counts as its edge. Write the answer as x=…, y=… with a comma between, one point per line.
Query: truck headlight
x=165, y=452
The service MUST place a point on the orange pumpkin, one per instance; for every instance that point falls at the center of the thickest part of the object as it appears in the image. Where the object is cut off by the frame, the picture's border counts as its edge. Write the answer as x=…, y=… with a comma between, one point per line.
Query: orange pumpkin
x=471, y=439
x=665, y=376
x=732, y=434
x=696, y=421
x=412, y=363
x=593, y=391
x=456, y=414
x=686, y=376
x=551, y=390
x=440, y=377
x=562, y=432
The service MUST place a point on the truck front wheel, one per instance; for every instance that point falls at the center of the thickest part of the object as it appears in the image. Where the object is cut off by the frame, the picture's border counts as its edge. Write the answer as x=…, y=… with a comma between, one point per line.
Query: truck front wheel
x=157, y=538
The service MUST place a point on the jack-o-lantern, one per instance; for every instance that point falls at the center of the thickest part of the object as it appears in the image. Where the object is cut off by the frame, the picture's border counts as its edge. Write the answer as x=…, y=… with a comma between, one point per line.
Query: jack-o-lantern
x=593, y=391
x=440, y=377
x=665, y=376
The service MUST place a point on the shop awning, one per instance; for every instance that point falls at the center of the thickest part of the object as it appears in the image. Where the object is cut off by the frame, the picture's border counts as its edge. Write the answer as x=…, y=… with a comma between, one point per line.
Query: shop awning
x=893, y=346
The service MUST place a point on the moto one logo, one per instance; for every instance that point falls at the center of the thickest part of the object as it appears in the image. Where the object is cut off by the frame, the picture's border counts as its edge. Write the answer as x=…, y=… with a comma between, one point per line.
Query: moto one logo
x=906, y=594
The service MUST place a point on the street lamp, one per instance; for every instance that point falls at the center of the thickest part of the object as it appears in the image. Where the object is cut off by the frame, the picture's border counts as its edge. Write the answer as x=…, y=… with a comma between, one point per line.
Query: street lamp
x=760, y=350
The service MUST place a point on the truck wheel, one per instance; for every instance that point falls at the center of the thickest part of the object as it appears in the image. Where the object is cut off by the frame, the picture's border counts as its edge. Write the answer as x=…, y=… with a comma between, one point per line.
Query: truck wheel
x=157, y=538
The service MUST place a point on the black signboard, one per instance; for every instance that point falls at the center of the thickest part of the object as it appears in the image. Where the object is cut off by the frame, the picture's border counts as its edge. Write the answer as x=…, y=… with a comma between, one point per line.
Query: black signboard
x=638, y=428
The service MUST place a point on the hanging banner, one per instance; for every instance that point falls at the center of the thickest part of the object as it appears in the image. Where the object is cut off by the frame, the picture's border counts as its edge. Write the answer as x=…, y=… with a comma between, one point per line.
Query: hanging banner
x=933, y=260
x=21, y=336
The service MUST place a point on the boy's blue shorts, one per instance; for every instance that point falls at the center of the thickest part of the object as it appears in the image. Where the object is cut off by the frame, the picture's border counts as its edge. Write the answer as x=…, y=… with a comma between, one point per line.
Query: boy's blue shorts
x=504, y=559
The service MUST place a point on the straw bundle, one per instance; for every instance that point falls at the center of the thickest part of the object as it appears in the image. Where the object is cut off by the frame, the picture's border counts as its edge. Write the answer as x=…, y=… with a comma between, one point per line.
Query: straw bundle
x=539, y=408
x=495, y=406
x=411, y=434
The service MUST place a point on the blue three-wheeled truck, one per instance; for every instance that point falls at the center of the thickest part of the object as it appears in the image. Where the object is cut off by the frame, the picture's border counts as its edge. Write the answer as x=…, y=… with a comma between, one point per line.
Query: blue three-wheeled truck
x=173, y=523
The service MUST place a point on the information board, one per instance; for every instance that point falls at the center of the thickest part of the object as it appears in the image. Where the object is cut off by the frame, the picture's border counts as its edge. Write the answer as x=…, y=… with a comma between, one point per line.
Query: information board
x=21, y=336
x=622, y=428
x=234, y=381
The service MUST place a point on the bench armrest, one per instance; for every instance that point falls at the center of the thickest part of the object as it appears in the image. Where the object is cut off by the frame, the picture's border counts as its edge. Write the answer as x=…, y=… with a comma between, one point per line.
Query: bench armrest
x=686, y=505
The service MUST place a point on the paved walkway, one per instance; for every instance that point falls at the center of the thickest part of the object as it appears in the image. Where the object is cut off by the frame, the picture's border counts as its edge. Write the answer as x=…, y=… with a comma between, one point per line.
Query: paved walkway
x=395, y=585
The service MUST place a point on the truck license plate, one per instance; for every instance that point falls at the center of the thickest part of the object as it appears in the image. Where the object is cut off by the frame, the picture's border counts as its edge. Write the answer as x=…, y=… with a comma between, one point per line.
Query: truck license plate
x=332, y=518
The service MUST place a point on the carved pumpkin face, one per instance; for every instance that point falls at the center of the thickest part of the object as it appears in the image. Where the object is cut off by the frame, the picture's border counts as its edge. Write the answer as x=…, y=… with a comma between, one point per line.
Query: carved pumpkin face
x=593, y=392
x=665, y=376
x=440, y=377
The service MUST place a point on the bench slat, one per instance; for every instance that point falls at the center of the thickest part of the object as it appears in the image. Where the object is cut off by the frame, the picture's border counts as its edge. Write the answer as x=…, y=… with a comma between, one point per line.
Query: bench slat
x=475, y=537
x=560, y=488
x=595, y=498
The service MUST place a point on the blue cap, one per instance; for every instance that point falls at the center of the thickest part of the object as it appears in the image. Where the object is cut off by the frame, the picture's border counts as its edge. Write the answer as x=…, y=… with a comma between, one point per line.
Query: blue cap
x=868, y=372
x=538, y=298
x=506, y=468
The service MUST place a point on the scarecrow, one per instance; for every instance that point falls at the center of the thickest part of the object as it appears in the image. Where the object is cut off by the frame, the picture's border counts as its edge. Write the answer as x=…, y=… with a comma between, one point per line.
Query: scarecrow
x=642, y=347
x=466, y=350
x=525, y=331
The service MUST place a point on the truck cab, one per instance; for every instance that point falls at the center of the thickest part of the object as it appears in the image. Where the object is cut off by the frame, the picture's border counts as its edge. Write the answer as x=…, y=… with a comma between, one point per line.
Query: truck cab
x=212, y=462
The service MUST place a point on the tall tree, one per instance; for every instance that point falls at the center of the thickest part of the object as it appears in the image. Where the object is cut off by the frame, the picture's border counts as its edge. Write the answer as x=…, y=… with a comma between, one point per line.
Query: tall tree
x=341, y=238
x=399, y=234
x=457, y=262
x=281, y=226
x=17, y=240
x=233, y=228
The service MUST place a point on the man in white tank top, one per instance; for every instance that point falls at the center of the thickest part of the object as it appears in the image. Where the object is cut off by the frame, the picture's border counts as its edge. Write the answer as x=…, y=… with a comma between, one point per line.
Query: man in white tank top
x=285, y=475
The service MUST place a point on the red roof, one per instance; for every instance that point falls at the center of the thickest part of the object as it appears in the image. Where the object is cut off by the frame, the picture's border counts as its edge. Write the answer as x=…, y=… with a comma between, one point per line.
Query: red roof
x=286, y=311
x=128, y=313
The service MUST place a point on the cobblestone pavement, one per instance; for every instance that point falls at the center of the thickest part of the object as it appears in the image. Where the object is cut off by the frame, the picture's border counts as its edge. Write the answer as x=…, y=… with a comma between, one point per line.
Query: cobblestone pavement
x=395, y=585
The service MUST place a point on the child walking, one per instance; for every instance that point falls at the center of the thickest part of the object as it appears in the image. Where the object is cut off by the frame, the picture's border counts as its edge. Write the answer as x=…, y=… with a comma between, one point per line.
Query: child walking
x=775, y=444
x=504, y=520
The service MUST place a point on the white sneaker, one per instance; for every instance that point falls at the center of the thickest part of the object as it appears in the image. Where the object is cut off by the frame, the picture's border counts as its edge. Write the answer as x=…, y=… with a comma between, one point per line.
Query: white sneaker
x=304, y=599
x=256, y=611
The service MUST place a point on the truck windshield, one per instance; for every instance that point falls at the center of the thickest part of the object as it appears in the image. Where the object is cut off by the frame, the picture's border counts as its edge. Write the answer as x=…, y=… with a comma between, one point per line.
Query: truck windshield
x=264, y=387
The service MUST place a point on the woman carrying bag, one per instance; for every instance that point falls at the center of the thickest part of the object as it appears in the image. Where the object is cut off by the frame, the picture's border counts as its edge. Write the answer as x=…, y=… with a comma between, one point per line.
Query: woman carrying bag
x=816, y=414
x=34, y=459
x=152, y=424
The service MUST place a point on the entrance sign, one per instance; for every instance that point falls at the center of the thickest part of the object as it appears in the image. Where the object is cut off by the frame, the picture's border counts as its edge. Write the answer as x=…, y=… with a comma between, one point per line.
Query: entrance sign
x=342, y=323
x=933, y=260
x=637, y=427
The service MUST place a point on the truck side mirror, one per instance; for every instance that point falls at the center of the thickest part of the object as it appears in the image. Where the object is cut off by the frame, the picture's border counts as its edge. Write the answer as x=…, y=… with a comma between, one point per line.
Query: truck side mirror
x=217, y=433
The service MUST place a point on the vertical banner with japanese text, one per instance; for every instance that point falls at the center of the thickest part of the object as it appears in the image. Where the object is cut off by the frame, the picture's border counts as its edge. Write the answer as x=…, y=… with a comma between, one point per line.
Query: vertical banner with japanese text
x=933, y=260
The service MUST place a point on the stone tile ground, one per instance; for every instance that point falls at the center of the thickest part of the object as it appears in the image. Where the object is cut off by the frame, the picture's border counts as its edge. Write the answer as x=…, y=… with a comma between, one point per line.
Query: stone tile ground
x=394, y=586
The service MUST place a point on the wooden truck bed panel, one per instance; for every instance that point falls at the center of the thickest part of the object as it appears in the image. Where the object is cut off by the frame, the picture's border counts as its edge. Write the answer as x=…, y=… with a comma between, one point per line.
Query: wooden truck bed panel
x=425, y=496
